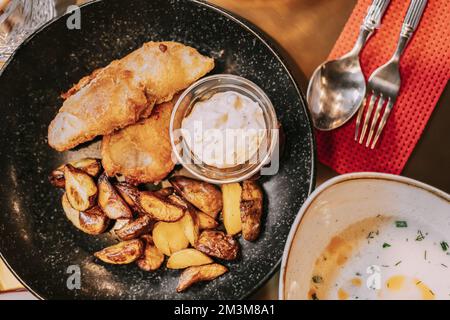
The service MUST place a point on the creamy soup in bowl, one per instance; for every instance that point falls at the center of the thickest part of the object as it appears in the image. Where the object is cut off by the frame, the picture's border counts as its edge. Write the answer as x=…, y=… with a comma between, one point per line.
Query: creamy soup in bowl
x=369, y=236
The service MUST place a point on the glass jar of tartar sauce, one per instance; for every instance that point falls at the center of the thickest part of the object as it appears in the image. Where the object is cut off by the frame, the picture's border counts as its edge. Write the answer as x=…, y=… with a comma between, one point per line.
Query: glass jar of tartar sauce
x=223, y=129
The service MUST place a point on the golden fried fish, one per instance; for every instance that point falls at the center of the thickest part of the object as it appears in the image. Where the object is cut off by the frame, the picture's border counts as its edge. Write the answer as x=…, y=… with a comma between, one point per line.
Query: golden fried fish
x=141, y=152
x=125, y=91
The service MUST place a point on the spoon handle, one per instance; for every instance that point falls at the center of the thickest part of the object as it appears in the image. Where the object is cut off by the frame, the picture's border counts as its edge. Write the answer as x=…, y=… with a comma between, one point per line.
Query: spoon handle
x=371, y=22
x=374, y=15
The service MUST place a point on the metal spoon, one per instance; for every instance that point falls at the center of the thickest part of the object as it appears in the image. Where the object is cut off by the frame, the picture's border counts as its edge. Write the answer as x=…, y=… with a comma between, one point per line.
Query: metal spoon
x=337, y=88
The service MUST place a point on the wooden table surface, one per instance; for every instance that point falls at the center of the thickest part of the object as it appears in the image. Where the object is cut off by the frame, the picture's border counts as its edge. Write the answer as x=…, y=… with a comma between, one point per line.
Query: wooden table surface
x=307, y=30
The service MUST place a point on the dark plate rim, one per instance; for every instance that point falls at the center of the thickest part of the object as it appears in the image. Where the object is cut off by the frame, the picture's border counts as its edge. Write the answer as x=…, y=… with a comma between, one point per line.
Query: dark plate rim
x=265, y=39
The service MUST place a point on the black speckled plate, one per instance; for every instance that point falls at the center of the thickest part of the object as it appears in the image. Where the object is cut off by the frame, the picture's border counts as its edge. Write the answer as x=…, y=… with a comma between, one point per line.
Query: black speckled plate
x=36, y=240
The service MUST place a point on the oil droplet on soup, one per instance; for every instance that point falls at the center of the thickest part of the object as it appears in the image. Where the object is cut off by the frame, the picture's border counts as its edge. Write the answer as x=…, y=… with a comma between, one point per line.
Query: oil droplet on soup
x=342, y=294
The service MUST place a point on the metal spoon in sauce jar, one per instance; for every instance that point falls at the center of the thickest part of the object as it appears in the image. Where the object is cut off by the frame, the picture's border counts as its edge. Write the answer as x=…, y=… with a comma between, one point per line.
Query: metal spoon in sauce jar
x=337, y=88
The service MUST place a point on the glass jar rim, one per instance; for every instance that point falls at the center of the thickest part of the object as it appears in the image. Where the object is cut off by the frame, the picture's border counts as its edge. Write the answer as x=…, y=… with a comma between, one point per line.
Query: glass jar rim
x=267, y=108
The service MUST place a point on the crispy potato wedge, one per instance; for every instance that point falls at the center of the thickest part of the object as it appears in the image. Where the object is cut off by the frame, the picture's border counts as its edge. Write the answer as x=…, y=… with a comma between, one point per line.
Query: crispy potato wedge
x=130, y=194
x=134, y=229
x=165, y=192
x=93, y=221
x=159, y=208
x=206, y=221
x=169, y=237
x=56, y=177
x=251, y=191
x=122, y=253
x=231, y=212
x=191, y=227
x=91, y=166
x=176, y=200
x=200, y=273
x=217, y=244
x=188, y=258
x=71, y=214
x=204, y=196
x=110, y=201
x=80, y=188
x=251, y=213
x=119, y=224
x=251, y=210
x=152, y=258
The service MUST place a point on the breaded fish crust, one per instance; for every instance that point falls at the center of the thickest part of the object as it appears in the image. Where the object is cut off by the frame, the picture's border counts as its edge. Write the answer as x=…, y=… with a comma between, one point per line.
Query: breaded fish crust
x=125, y=91
x=141, y=152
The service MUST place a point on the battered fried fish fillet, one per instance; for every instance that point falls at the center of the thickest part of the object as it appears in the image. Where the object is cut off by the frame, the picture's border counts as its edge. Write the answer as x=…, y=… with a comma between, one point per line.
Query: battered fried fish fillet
x=125, y=91
x=141, y=152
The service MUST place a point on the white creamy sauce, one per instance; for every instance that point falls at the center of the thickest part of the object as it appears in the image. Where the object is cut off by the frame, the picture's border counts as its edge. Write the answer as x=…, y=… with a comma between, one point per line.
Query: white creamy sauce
x=226, y=130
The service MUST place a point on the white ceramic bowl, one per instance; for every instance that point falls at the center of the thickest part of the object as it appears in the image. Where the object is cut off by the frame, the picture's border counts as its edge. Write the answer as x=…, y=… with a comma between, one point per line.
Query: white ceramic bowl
x=347, y=199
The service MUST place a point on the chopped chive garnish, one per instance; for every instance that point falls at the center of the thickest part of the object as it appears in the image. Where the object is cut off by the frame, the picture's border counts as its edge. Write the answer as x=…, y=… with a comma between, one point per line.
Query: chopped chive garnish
x=398, y=263
x=420, y=236
x=425, y=255
x=386, y=245
x=317, y=279
x=444, y=265
x=370, y=235
x=444, y=246
x=401, y=224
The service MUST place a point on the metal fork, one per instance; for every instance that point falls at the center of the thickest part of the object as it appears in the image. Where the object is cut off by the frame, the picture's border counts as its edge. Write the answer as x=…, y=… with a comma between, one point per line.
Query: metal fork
x=384, y=83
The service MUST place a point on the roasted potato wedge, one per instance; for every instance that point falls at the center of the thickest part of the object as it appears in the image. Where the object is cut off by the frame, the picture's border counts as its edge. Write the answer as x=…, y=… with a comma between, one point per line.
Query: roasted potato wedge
x=152, y=258
x=122, y=253
x=56, y=177
x=191, y=227
x=91, y=166
x=204, y=196
x=120, y=223
x=110, y=201
x=231, y=212
x=217, y=244
x=200, y=273
x=188, y=258
x=165, y=192
x=134, y=229
x=71, y=214
x=251, y=210
x=159, y=208
x=130, y=194
x=93, y=221
x=169, y=237
x=176, y=200
x=251, y=191
x=206, y=221
x=80, y=188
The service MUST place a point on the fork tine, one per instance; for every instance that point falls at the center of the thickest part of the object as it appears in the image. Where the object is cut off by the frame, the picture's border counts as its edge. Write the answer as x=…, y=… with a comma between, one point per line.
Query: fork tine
x=375, y=119
x=358, y=119
x=387, y=111
x=373, y=98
